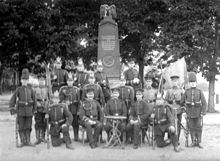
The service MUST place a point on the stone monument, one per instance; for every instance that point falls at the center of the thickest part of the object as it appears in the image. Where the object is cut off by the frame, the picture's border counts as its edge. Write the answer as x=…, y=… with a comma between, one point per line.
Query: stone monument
x=108, y=43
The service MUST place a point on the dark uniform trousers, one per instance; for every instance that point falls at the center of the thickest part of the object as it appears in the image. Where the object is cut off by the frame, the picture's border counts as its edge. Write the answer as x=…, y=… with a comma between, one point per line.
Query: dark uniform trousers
x=163, y=121
x=139, y=111
x=59, y=115
x=93, y=137
x=74, y=108
x=40, y=121
x=89, y=111
x=135, y=129
x=195, y=106
x=26, y=105
x=113, y=107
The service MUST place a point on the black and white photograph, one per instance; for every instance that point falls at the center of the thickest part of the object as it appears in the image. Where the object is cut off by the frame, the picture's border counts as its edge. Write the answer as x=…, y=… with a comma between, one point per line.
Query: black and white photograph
x=109, y=80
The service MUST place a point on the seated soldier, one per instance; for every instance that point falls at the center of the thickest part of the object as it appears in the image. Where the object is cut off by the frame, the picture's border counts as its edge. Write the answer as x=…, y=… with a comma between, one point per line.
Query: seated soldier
x=88, y=113
x=164, y=122
x=115, y=107
x=60, y=119
x=138, y=117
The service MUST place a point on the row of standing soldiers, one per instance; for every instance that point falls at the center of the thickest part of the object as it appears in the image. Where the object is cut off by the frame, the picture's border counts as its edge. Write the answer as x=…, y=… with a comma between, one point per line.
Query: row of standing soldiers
x=85, y=99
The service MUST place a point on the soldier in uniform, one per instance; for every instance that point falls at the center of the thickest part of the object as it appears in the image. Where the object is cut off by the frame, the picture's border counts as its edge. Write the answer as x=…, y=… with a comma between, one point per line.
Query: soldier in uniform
x=115, y=107
x=195, y=109
x=126, y=94
x=42, y=97
x=59, y=76
x=71, y=95
x=23, y=103
x=60, y=119
x=102, y=79
x=98, y=94
x=150, y=93
x=81, y=77
x=175, y=97
x=164, y=122
x=88, y=113
x=139, y=115
x=132, y=75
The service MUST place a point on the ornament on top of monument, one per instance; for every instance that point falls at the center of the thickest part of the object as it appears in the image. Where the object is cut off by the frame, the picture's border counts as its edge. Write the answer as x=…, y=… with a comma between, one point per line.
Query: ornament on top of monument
x=107, y=11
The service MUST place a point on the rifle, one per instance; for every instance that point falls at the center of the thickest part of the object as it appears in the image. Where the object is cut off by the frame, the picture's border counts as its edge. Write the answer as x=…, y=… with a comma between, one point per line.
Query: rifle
x=16, y=130
x=153, y=135
x=48, y=84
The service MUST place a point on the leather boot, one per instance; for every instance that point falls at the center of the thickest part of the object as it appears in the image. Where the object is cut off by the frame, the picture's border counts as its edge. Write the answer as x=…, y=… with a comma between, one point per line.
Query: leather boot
x=42, y=136
x=28, y=139
x=198, y=144
x=22, y=140
x=76, y=135
x=37, y=133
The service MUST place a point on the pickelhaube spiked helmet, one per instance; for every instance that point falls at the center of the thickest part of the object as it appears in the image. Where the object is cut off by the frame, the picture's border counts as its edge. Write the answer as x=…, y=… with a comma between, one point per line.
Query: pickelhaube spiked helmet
x=70, y=77
x=80, y=62
x=58, y=60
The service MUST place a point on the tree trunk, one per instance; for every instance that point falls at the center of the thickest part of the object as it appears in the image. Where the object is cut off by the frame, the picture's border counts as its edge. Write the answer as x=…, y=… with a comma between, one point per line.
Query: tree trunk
x=211, y=102
x=141, y=70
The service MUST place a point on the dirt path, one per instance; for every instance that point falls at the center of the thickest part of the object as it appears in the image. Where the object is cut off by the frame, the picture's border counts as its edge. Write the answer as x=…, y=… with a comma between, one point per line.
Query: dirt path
x=211, y=143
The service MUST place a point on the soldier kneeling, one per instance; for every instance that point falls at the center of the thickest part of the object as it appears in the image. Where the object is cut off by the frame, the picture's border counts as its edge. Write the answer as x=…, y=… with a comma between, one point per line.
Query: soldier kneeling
x=60, y=119
x=164, y=122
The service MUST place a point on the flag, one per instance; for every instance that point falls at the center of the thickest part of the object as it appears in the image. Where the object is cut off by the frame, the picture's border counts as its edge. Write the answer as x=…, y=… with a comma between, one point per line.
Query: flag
x=178, y=67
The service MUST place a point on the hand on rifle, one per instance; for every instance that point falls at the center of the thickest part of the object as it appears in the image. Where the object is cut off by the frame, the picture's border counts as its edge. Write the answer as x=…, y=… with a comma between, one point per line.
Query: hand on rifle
x=13, y=111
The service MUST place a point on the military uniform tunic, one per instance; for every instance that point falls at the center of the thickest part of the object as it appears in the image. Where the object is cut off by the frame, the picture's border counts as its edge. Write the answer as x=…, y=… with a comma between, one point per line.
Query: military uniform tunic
x=42, y=97
x=195, y=106
x=115, y=107
x=90, y=110
x=58, y=116
x=175, y=97
x=139, y=111
x=130, y=75
x=98, y=94
x=71, y=96
x=163, y=120
x=150, y=96
x=26, y=106
x=59, y=79
x=102, y=79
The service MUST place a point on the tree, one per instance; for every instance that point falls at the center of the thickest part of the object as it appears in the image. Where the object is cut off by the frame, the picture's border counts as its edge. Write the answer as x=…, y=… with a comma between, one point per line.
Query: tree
x=192, y=37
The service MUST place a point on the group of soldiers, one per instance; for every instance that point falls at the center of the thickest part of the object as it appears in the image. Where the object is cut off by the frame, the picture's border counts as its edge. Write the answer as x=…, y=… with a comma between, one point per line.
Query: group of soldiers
x=84, y=99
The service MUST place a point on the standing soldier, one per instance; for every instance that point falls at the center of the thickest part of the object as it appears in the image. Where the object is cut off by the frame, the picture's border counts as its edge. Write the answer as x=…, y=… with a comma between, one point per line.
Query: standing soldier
x=164, y=122
x=126, y=94
x=81, y=77
x=132, y=75
x=102, y=79
x=60, y=119
x=23, y=103
x=59, y=76
x=115, y=107
x=150, y=93
x=88, y=113
x=98, y=94
x=195, y=109
x=71, y=95
x=139, y=115
x=43, y=98
x=175, y=97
